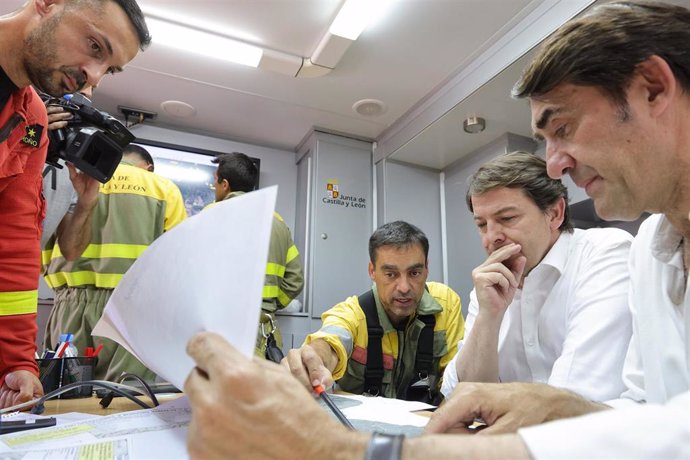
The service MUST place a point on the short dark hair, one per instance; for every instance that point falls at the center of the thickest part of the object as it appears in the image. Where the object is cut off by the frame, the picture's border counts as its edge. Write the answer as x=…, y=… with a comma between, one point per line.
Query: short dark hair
x=603, y=48
x=135, y=15
x=398, y=234
x=141, y=152
x=238, y=169
x=524, y=171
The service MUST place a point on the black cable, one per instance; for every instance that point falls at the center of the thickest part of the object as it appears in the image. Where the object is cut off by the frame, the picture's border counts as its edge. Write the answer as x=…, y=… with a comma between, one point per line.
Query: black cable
x=107, y=399
x=39, y=406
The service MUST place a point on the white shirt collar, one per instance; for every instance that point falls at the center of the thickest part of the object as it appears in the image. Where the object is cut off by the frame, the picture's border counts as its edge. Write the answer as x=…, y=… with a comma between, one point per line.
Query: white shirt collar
x=557, y=256
x=666, y=243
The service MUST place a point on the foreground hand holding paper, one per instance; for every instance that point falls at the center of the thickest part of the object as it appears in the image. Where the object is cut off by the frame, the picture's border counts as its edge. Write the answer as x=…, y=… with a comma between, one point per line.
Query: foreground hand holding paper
x=206, y=274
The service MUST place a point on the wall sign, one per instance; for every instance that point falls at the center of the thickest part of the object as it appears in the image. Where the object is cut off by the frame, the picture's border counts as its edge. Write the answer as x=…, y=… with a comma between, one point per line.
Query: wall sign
x=335, y=197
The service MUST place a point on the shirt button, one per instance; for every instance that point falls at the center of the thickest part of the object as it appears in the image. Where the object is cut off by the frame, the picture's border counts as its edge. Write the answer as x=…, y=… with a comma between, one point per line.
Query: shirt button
x=530, y=343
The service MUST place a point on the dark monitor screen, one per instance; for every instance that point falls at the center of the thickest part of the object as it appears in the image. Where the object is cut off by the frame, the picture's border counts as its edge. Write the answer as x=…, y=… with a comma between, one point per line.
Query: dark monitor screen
x=189, y=168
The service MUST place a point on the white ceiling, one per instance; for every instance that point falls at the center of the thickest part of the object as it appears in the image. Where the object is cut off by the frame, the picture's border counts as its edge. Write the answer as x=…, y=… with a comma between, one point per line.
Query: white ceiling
x=416, y=47
x=444, y=141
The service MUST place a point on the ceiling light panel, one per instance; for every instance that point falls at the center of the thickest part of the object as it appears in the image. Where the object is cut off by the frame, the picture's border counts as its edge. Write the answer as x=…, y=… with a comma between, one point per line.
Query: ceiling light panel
x=356, y=15
x=204, y=43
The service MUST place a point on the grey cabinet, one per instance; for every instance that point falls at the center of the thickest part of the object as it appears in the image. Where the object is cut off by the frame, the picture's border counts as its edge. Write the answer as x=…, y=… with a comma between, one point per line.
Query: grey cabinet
x=334, y=218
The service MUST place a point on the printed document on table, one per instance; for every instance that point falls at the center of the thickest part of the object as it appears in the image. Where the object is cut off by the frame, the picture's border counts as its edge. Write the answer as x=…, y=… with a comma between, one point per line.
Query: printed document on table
x=147, y=433
x=205, y=274
x=162, y=432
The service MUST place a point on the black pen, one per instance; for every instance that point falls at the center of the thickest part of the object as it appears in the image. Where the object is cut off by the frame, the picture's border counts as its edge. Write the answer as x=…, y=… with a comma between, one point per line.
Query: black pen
x=331, y=405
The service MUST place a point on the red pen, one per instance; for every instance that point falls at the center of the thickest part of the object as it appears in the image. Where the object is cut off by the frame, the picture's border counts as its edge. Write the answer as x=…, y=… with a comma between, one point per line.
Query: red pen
x=61, y=350
x=97, y=350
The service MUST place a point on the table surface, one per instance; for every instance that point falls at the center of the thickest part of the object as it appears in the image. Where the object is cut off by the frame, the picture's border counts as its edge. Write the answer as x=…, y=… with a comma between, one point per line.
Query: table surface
x=120, y=404
x=92, y=406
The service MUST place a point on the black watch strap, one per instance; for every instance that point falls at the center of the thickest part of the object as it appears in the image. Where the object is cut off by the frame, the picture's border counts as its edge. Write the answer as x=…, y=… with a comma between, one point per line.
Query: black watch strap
x=384, y=447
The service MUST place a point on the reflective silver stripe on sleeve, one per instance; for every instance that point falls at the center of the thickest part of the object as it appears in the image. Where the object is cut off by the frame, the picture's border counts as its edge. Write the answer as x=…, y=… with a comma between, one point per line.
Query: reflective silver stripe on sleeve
x=342, y=334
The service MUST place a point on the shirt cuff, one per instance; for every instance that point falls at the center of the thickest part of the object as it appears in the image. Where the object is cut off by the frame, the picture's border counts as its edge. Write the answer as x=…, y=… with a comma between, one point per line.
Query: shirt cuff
x=641, y=431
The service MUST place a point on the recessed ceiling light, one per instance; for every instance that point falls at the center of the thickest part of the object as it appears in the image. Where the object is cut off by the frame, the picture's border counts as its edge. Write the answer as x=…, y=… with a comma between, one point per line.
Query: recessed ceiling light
x=474, y=125
x=178, y=109
x=369, y=107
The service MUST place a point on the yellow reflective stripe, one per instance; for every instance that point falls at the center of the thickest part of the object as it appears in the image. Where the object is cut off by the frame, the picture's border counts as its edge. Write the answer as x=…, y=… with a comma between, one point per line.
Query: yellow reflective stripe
x=46, y=255
x=274, y=292
x=122, y=251
x=275, y=269
x=270, y=292
x=283, y=299
x=102, y=251
x=291, y=254
x=101, y=280
x=18, y=302
x=55, y=252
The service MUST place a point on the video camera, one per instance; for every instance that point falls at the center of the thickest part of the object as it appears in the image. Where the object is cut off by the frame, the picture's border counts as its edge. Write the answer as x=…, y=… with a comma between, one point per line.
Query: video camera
x=92, y=141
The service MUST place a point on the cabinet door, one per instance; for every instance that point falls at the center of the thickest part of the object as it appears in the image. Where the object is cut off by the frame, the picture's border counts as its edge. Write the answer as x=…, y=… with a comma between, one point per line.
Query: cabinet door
x=302, y=234
x=342, y=221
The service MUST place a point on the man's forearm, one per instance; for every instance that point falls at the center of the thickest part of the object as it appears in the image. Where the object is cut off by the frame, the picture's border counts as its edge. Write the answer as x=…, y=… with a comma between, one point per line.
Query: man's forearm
x=326, y=353
x=74, y=232
x=459, y=446
x=478, y=359
x=18, y=343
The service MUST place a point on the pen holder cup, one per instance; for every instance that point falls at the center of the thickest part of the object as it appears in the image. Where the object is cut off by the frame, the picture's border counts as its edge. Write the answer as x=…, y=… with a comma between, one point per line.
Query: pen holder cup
x=57, y=372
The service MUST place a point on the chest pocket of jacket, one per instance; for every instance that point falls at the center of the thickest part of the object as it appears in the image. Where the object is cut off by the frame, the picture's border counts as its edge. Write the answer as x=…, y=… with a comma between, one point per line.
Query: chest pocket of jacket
x=22, y=181
x=13, y=153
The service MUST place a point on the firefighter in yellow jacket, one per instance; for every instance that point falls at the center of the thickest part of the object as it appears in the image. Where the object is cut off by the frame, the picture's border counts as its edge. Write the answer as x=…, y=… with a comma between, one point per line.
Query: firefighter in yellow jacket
x=393, y=341
x=236, y=175
x=133, y=209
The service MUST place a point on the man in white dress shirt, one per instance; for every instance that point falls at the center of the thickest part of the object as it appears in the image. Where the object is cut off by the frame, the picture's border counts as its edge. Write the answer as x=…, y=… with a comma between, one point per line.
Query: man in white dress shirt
x=549, y=304
x=610, y=96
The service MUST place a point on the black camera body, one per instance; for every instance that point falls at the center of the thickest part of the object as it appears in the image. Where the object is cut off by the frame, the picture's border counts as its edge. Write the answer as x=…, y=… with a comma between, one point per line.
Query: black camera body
x=92, y=141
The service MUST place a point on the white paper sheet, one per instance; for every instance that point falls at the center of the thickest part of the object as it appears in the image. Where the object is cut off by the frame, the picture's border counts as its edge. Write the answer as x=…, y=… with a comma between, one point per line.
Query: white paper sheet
x=380, y=404
x=206, y=274
x=142, y=434
x=384, y=415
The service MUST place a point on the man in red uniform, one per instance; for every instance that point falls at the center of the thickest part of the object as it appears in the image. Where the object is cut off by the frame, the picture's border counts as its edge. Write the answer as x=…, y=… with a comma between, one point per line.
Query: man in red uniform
x=59, y=46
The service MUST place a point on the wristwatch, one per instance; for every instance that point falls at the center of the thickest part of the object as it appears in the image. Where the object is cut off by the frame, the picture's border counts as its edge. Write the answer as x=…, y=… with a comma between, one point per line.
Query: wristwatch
x=384, y=447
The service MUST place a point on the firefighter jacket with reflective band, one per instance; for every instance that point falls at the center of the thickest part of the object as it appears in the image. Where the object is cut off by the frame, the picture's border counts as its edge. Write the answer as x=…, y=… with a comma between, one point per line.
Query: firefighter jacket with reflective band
x=134, y=208
x=23, y=147
x=284, y=276
x=344, y=328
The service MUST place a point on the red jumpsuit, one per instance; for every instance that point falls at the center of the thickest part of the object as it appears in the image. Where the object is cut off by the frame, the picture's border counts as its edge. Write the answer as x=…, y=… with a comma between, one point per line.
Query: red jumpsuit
x=23, y=148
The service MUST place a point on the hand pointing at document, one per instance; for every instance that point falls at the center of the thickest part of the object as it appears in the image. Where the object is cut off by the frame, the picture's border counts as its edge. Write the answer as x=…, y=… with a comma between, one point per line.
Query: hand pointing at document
x=253, y=408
